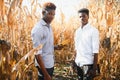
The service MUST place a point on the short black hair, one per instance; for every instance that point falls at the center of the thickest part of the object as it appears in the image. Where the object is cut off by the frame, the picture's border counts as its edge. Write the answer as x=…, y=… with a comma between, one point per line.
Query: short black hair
x=84, y=10
x=49, y=6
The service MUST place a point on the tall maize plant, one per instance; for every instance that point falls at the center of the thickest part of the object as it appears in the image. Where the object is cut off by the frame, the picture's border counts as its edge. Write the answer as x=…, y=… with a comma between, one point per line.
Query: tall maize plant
x=16, y=53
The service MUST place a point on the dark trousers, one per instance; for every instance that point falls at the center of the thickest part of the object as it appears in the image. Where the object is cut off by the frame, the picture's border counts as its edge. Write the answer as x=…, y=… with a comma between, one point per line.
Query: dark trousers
x=49, y=70
x=81, y=73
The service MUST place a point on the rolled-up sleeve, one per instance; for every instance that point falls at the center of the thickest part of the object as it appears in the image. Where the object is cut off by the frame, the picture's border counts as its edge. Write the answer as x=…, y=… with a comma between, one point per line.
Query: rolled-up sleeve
x=37, y=40
x=95, y=41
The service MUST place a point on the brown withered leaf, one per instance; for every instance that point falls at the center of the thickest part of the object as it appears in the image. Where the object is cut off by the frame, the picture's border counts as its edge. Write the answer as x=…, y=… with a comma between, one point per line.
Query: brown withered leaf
x=109, y=19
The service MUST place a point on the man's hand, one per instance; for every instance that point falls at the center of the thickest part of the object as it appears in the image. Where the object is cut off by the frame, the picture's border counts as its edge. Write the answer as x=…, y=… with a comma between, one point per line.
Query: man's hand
x=58, y=47
x=92, y=72
x=47, y=77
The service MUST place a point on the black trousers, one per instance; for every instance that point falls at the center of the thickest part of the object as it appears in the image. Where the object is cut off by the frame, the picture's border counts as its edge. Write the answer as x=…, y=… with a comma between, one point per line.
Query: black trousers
x=49, y=70
x=82, y=75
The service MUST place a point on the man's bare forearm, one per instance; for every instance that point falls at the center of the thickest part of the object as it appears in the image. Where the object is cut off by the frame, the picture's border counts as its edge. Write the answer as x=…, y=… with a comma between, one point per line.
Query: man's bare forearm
x=41, y=64
x=95, y=61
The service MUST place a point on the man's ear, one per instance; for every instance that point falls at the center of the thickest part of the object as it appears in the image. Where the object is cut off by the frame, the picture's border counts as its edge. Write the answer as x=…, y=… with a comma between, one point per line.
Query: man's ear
x=43, y=12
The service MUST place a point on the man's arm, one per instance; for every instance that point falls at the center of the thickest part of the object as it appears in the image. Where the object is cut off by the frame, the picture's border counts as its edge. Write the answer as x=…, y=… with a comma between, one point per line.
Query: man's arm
x=95, y=61
x=41, y=64
x=95, y=47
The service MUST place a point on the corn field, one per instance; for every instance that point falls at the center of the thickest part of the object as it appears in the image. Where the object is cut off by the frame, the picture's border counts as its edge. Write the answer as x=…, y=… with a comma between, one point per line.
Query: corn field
x=17, y=53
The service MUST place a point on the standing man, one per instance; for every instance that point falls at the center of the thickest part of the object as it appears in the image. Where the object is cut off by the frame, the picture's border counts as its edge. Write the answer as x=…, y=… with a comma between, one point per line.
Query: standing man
x=42, y=34
x=86, y=47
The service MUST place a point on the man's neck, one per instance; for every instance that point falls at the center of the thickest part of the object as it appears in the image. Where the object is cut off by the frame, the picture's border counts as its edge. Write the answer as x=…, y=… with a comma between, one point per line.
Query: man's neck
x=83, y=25
x=46, y=20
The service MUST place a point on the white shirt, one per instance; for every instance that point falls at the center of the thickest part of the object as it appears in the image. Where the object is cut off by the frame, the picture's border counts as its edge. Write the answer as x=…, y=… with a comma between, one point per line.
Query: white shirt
x=42, y=34
x=86, y=44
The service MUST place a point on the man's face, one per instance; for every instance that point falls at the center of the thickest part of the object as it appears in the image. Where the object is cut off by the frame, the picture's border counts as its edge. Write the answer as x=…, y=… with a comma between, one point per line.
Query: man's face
x=83, y=18
x=50, y=15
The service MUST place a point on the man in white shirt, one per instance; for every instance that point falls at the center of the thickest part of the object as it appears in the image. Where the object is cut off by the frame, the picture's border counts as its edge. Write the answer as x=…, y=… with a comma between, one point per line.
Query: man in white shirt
x=42, y=34
x=86, y=47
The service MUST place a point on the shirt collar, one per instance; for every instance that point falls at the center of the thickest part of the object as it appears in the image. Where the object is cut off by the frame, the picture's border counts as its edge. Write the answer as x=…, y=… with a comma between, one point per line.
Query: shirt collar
x=85, y=26
x=44, y=23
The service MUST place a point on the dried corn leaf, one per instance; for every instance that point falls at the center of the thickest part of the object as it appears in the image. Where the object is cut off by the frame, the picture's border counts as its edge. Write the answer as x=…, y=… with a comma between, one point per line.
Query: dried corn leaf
x=109, y=19
x=30, y=53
